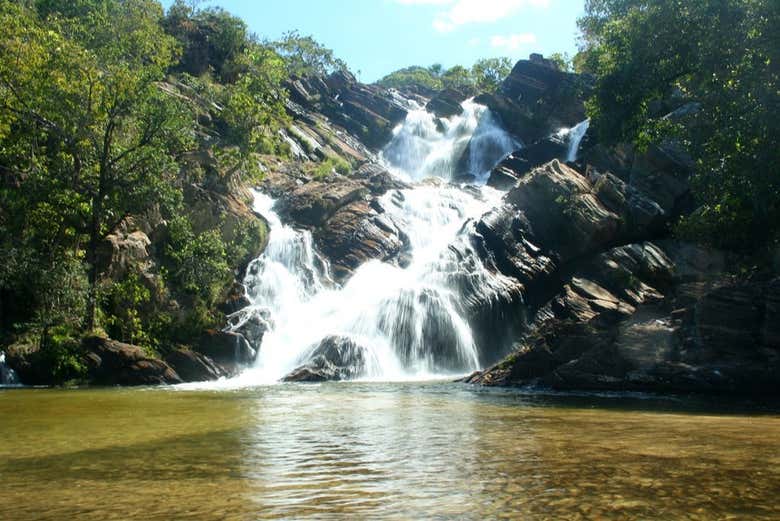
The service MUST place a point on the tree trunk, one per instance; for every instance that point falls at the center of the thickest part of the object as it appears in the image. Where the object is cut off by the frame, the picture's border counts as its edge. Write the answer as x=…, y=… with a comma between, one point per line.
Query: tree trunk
x=94, y=240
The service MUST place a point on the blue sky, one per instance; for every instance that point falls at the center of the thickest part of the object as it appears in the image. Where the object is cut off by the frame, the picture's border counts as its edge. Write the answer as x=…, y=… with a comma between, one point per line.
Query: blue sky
x=376, y=37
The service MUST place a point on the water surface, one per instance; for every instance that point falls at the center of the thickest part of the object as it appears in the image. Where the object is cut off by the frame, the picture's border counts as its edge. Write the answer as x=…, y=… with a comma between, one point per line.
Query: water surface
x=379, y=451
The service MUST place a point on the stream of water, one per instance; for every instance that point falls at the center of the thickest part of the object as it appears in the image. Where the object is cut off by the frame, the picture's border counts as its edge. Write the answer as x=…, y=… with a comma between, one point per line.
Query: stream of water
x=239, y=450
x=407, y=321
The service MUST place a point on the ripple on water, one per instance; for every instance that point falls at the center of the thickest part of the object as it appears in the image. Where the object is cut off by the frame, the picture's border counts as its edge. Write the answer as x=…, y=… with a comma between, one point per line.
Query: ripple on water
x=379, y=451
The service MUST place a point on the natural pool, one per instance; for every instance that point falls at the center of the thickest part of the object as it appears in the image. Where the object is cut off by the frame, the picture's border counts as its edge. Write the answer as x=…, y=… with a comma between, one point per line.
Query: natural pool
x=380, y=451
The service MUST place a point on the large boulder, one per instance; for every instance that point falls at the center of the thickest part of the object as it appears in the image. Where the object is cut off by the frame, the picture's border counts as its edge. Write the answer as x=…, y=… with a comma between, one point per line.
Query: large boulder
x=537, y=99
x=230, y=351
x=564, y=211
x=192, y=366
x=350, y=225
x=641, y=317
x=447, y=103
x=368, y=112
x=314, y=203
x=358, y=233
x=114, y=363
x=334, y=358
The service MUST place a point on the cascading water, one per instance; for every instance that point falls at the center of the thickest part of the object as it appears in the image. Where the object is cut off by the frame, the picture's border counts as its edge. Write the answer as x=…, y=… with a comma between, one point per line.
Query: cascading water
x=7, y=375
x=426, y=146
x=406, y=322
x=574, y=137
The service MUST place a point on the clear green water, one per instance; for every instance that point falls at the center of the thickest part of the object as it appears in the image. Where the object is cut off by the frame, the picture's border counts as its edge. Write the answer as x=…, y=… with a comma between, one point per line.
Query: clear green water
x=378, y=451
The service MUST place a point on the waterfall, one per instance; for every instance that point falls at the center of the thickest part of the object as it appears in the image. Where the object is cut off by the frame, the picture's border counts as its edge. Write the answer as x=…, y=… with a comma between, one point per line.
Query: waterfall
x=426, y=146
x=404, y=323
x=7, y=375
x=574, y=138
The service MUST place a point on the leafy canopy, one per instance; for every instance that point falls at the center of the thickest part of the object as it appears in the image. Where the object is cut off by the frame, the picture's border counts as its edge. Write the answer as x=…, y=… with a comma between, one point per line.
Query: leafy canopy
x=651, y=57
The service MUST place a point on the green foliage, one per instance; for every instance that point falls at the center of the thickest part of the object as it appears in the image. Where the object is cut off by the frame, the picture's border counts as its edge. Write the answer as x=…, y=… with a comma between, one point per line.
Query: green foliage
x=124, y=302
x=248, y=237
x=211, y=39
x=562, y=60
x=412, y=76
x=485, y=75
x=83, y=125
x=332, y=164
x=488, y=73
x=303, y=55
x=198, y=261
x=651, y=57
x=57, y=358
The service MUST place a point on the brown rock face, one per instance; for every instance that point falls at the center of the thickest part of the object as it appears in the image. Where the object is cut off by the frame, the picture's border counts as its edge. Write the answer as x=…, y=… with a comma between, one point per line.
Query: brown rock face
x=537, y=99
x=654, y=329
x=114, y=363
x=348, y=222
x=314, y=203
x=192, y=366
x=367, y=112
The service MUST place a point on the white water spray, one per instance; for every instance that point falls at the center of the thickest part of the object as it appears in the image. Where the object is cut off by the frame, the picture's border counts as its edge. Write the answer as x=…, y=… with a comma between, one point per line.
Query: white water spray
x=407, y=322
x=574, y=137
x=424, y=146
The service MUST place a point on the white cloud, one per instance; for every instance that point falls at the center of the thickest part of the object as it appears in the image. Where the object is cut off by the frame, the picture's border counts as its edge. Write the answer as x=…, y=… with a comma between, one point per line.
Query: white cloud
x=462, y=12
x=512, y=42
x=473, y=42
x=424, y=2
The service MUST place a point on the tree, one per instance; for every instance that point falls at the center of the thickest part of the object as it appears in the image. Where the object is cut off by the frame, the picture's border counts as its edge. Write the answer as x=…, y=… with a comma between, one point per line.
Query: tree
x=490, y=72
x=85, y=129
x=210, y=38
x=723, y=56
x=562, y=60
x=457, y=77
x=304, y=55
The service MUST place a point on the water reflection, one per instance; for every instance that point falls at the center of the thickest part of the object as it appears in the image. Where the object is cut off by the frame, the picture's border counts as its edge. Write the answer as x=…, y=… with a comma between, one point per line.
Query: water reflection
x=401, y=451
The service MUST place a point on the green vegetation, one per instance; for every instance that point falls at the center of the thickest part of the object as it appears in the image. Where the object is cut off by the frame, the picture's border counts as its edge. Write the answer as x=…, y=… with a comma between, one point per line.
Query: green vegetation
x=485, y=75
x=109, y=111
x=719, y=57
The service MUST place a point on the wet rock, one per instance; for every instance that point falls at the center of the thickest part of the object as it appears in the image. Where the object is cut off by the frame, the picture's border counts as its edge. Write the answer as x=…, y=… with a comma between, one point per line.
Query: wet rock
x=115, y=363
x=505, y=237
x=334, y=358
x=377, y=179
x=358, y=233
x=192, y=366
x=447, y=103
x=235, y=299
x=506, y=174
x=252, y=324
x=314, y=203
x=231, y=351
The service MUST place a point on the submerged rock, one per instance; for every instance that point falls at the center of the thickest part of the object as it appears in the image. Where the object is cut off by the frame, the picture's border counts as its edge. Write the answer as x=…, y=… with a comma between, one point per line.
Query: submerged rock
x=334, y=358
